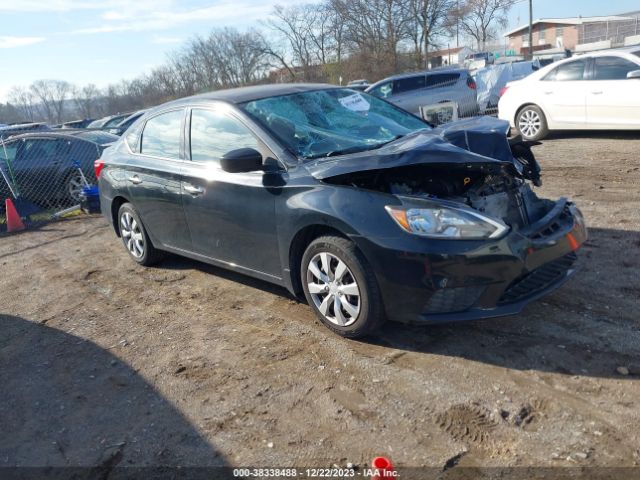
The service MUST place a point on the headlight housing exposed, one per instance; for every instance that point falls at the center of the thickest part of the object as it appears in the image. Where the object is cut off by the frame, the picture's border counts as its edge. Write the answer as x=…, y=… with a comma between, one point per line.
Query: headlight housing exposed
x=445, y=222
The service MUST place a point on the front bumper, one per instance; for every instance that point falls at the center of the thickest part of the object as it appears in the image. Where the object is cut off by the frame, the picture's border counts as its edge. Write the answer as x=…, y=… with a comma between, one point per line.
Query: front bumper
x=434, y=281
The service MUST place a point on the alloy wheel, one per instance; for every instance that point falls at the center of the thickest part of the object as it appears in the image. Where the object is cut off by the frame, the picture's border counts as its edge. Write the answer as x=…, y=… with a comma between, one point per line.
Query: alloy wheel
x=75, y=186
x=132, y=235
x=334, y=289
x=529, y=123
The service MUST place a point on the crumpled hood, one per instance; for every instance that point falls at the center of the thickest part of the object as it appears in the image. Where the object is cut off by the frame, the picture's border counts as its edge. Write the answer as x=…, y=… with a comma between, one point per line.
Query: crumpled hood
x=481, y=140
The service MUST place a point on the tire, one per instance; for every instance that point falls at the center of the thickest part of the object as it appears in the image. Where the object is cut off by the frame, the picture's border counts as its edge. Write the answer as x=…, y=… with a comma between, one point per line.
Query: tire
x=135, y=238
x=531, y=123
x=355, y=292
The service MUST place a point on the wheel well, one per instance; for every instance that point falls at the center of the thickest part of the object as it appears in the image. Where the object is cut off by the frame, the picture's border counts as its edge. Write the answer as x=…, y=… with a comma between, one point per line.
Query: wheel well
x=299, y=244
x=116, y=203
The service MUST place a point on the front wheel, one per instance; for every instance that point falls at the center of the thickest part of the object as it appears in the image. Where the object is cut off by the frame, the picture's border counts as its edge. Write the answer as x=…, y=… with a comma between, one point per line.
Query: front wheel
x=135, y=237
x=531, y=123
x=341, y=287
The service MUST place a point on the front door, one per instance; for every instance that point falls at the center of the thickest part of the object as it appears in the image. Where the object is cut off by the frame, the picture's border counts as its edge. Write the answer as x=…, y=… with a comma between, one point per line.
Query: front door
x=564, y=94
x=231, y=216
x=613, y=100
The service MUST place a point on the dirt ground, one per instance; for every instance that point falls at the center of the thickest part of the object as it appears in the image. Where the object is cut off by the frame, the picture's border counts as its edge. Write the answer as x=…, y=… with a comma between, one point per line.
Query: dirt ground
x=103, y=362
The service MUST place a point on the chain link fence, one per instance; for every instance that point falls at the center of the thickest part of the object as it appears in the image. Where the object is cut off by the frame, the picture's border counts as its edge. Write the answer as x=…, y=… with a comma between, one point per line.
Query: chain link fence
x=45, y=174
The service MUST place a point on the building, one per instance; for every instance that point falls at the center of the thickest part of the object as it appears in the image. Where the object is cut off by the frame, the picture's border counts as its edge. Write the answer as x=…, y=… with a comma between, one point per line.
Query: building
x=570, y=33
x=451, y=56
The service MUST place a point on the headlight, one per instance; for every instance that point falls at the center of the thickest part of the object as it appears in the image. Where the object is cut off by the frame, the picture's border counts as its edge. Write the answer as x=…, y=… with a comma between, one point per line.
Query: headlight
x=445, y=222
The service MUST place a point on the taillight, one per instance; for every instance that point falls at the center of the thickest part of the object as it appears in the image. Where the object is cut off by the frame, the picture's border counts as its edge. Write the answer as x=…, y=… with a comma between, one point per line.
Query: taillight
x=503, y=90
x=471, y=83
x=98, y=165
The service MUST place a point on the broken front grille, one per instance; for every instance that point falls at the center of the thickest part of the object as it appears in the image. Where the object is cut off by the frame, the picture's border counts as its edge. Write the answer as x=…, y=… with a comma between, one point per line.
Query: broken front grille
x=537, y=280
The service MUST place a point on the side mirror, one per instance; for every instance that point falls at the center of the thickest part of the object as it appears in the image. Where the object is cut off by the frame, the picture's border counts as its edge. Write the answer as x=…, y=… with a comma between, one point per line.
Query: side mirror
x=241, y=160
x=635, y=74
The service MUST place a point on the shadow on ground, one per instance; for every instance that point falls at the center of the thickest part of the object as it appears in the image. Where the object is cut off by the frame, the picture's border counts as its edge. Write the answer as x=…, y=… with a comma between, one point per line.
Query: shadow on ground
x=67, y=402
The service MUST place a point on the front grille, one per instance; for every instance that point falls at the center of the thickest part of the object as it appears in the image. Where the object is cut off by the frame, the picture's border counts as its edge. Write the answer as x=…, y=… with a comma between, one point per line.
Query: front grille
x=537, y=280
x=450, y=300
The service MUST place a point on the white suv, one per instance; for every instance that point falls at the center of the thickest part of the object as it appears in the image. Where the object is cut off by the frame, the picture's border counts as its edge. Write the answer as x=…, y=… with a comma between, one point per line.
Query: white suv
x=599, y=91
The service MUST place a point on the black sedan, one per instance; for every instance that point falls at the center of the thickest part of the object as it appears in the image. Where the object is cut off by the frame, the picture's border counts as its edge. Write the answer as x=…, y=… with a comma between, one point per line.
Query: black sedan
x=43, y=167
x=346, y=198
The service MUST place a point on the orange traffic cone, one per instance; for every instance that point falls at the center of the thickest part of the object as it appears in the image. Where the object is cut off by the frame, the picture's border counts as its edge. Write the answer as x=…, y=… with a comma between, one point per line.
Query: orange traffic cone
x=14, y=222
x=382, y=468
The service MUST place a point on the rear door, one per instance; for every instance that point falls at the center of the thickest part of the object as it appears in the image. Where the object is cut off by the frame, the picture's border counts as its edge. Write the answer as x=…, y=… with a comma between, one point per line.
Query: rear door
x=564, y=93
x=154, y=177
x=36, y=166
x=613, y=100
x=231, y=216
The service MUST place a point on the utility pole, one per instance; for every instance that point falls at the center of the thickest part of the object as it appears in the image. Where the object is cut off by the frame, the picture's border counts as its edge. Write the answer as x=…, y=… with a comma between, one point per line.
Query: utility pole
x=530, y=29
x=458, y=23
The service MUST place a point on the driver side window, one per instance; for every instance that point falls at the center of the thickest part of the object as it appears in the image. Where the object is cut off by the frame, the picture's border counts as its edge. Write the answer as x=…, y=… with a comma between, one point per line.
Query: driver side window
x=214, y=133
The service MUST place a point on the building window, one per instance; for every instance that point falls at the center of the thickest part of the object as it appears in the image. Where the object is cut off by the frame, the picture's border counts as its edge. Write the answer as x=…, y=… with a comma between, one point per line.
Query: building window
x=559, y=32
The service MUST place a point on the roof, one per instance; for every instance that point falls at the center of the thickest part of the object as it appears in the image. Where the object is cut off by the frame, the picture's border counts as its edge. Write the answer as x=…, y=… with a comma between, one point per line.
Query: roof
x=570, y=21
x=255, y=92
x=423, y=72
x=447, y=51
x=94, y=136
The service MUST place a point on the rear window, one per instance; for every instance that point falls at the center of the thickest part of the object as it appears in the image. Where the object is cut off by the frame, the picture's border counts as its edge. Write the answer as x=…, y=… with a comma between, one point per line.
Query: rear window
x=437, y=80
x=567, y=72
x=161, y=135
x=636, y=53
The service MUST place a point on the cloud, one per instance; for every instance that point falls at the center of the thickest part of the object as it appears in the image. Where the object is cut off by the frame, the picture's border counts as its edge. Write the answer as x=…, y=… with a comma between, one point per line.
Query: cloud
x=161, y=40
x=146, y=15
x=13, y=42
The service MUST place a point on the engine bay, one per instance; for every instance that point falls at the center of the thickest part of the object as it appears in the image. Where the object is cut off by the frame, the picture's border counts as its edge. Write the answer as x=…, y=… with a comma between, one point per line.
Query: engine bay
x=493, y=192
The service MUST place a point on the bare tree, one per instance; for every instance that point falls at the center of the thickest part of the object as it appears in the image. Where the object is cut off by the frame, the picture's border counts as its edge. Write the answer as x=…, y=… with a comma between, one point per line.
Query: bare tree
x=87, y=100
x=25, y=103
x=51, y=96
x=427, y=21
x=479, y=18
x=375, y=29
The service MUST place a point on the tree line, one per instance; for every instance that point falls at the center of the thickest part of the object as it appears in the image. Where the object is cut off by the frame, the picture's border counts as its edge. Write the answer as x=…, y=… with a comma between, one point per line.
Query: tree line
x=326, y=41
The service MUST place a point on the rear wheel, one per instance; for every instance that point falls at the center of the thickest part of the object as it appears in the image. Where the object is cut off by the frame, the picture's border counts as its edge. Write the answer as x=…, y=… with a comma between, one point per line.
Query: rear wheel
x=531, y=123
x=341, y=287
x=135, y=237
x=75, y=184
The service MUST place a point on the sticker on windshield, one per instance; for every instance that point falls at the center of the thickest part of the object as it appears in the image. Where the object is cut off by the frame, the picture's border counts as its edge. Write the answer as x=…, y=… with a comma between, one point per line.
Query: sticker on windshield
x=355, y=102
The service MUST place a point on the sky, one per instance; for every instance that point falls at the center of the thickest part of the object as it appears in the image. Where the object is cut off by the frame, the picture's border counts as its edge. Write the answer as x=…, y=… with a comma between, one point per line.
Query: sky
x=104, y=41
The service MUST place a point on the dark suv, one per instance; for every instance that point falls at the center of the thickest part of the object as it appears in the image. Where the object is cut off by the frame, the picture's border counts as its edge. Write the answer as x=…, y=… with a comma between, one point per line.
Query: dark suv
x=344, y=197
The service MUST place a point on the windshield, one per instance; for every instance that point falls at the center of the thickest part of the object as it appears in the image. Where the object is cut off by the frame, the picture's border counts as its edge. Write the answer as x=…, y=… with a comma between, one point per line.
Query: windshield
x=328, y=122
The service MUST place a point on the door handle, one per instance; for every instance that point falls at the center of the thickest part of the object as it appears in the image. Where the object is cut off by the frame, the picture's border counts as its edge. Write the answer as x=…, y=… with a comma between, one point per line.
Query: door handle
x=599, y=92
x=193, y=190
x=135, y=180
x=548, y=93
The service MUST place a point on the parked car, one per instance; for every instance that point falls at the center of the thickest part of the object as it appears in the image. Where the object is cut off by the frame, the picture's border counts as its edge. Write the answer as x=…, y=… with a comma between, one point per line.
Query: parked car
x=121, y=127
x=43, y=165
x=410, y=91
x=108, y=122
x=77, y=123
x=598, y=91
x=344, y=197
x=360, y=84
x=19, y=128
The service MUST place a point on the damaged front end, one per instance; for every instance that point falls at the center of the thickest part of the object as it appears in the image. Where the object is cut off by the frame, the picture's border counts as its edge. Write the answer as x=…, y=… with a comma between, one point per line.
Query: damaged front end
x=468, y=183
